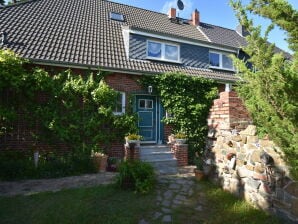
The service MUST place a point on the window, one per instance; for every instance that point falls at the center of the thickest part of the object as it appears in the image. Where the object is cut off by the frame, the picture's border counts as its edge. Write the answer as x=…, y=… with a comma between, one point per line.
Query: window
x=220, y=60
x=145, y=104
x=120, y=104
x=163, y=51
x=116, y=16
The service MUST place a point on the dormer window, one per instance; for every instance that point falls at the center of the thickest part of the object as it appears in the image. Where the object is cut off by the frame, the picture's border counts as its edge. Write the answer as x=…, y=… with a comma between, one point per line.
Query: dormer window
x=163, y=51
x=220, y=60
x=117, y=16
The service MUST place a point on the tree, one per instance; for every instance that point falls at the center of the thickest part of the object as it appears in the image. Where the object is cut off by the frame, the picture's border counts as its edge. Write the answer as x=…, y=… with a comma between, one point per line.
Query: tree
x=269, y=90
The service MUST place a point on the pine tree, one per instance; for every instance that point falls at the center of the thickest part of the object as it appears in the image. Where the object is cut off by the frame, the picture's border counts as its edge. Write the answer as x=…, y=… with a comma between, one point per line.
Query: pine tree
x=269, y=90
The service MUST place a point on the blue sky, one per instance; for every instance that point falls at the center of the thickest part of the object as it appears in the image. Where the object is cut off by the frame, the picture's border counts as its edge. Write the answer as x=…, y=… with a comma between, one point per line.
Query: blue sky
x=216, y=12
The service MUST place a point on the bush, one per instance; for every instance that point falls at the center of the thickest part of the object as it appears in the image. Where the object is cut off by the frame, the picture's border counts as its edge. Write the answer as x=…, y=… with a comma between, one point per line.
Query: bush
x=17, y=165
x=137, y=176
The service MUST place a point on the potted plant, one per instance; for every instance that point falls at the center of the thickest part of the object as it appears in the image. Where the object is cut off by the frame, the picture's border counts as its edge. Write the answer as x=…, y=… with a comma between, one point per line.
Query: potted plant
x=199, y=170
x=100, y=160
x=180, y=138
x=133, y=139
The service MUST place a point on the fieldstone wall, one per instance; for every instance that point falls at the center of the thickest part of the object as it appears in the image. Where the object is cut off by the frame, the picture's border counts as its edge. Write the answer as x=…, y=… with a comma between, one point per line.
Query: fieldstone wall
x=254, y=169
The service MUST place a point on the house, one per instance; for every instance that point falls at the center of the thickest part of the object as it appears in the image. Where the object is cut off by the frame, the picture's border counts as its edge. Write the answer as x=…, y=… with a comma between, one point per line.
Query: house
x=129, y=42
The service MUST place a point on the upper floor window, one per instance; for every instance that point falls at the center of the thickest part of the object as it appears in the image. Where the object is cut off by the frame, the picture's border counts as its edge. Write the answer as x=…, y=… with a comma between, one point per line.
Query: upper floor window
x=163, y=51
x=220, y=60
x=120, y=104
x=116, y=16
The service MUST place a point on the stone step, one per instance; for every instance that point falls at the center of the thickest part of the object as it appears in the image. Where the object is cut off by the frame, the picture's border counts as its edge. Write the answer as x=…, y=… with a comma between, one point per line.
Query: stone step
x=152, y=149
x=165, y=166
x=156, y=156
x=160, y=157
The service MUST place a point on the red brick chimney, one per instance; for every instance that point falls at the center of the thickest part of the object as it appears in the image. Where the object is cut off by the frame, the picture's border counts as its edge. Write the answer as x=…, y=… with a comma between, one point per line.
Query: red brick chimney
x=172, y=13
x=195, y=18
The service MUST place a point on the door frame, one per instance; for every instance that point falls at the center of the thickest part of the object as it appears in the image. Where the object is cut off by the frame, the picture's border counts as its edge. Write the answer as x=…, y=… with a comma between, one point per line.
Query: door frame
x=157, y=117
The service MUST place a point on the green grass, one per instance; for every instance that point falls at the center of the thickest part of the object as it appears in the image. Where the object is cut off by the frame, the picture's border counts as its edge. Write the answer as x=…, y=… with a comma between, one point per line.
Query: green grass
x=220, y=207
x=103, y=204
x=107, y=204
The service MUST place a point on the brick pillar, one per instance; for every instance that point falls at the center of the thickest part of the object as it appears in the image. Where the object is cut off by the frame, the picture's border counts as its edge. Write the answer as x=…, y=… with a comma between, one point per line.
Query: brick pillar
x=228, y=112
x=181, y=154
x=131, y=151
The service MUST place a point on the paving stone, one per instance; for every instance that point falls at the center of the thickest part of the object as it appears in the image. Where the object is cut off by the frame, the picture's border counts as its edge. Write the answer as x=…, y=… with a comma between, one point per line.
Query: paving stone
x=174, y=186
x=166, y=203
x=178, y=202
x=180, y=198
x=168, y=194
x=167, y=218
x=143, y=221
x=166, y=210
x=157, y=215
x=199, y=208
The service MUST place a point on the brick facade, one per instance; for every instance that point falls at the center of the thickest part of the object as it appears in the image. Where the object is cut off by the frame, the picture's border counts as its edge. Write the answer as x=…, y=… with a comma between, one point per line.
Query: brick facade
x=228, y=112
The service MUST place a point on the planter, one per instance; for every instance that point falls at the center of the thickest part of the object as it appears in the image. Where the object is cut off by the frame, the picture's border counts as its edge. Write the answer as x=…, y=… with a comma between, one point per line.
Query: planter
x=133, y=143
x=100, y=163
x=180, y=141
x=199, y=174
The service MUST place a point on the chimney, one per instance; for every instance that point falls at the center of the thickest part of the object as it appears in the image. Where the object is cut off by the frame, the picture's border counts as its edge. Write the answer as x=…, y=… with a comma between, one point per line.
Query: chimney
x=195, y=18
x=241, y=30
x=172, y=13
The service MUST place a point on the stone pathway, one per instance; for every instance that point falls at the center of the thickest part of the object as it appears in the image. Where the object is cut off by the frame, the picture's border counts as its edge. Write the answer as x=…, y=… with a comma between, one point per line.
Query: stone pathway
x=28, y=187
x=174, y=191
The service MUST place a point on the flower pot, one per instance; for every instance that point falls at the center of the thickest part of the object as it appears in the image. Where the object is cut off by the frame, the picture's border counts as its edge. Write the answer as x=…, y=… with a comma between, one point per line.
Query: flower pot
x=180, y=141
x=100, y=163
x=199, y=174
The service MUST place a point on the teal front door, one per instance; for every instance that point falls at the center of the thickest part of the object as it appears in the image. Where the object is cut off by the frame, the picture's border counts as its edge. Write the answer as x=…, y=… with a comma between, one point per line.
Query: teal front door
x=146, y=107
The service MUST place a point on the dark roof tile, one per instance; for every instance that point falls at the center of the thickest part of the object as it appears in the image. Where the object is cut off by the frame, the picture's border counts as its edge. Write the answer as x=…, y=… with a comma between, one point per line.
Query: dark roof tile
x=79, y=32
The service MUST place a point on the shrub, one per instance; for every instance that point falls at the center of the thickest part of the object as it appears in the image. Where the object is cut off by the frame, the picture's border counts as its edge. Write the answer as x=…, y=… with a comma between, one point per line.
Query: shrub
x=137, y=176
x=17, y=165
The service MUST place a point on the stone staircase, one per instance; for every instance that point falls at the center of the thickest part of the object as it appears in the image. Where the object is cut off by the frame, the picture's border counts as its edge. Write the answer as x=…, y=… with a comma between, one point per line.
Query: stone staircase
x=160, y=157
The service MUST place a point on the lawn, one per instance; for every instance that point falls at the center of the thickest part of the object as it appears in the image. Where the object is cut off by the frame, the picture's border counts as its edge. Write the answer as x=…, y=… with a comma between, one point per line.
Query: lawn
x=215, y=206
x=107, y=204
x=103, y=204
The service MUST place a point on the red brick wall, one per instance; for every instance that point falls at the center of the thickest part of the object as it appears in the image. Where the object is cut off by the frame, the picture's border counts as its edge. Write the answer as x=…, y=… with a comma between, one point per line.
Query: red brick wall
x=228, y=112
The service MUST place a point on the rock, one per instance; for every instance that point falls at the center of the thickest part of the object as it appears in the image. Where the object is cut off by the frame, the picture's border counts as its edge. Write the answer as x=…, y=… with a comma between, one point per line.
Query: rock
x=250, y=130
x=259, y=168
x=265, y=143
x=255, y=156
x=294, y=209
x=252, y=139
x=292, y=188
x=255, y=184
x=167, y=218
x=236, y=138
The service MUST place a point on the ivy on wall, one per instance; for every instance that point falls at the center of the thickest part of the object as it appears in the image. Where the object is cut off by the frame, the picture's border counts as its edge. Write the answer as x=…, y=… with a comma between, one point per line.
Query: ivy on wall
x=188, y=99
x=73, y=109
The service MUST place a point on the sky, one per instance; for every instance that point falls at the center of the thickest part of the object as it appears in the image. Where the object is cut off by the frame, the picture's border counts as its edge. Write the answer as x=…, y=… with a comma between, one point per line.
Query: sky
x=216, y=12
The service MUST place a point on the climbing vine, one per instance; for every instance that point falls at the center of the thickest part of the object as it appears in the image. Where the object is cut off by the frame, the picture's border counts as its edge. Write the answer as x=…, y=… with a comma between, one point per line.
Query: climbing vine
x=188, y=100
x=73, y=109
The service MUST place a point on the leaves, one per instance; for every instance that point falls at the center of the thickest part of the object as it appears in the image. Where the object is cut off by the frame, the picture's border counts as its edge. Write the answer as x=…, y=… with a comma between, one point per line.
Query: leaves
x=270, y=89
x=188, y=99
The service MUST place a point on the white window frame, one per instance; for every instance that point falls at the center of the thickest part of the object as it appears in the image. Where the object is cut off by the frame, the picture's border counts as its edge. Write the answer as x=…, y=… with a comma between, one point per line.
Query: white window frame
x=163, y=51
x=122, y=104
x=117, y=16
x=220, y=61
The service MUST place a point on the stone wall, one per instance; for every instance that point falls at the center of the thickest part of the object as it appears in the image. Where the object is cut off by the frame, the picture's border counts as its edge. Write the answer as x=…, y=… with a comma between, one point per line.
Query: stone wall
x=254, y=169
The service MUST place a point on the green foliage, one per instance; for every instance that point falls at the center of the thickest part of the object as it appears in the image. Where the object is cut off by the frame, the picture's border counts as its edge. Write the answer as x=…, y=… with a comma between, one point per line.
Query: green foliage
x=270, y=89
x=136, y=175
x=63, y=108
x=188, y=99
x=18, y=165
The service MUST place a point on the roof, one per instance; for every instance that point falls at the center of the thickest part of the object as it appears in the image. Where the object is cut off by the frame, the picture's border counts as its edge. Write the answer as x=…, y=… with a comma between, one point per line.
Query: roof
x=80, y=33
x=222, y=36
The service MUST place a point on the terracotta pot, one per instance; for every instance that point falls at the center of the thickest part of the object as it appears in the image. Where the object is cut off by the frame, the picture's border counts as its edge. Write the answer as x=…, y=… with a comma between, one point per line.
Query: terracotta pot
x=101, y=163
x=199, y=174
